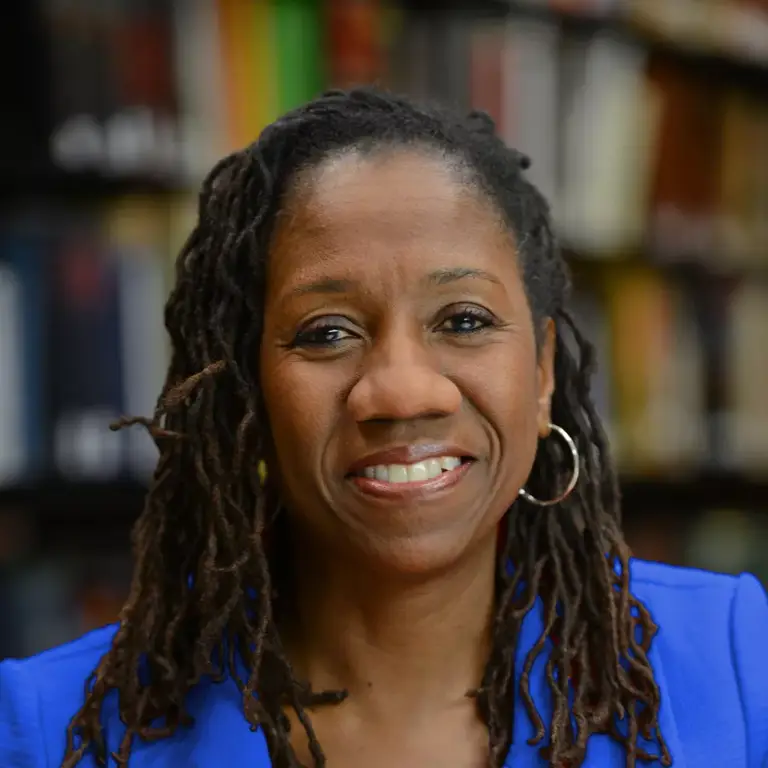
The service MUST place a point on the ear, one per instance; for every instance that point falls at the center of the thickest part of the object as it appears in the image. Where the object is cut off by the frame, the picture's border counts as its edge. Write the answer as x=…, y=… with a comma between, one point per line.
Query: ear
x=545, y=376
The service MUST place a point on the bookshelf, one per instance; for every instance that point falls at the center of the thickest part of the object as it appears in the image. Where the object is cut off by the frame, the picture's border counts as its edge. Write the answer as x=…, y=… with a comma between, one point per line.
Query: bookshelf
x=645, y=27
x=648, y=133
x=52, y=185
x=59, y=509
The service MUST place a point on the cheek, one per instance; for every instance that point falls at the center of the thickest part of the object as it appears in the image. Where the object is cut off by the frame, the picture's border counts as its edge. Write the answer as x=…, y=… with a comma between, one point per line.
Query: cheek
x=502, y=385
x=504, y=392
x=302, y=405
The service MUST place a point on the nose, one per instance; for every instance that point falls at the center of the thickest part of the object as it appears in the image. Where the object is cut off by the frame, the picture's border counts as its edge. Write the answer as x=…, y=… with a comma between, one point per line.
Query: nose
x=402, y=381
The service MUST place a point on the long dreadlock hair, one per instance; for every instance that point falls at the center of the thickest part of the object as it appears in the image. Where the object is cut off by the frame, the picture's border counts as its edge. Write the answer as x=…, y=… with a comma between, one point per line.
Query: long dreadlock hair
x=202, y=602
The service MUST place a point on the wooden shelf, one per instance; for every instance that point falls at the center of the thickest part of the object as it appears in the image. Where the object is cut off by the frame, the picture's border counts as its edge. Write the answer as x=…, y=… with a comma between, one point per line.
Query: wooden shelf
x=70, y=516
x=17, y=186
x=104, y=512
x=691, y=494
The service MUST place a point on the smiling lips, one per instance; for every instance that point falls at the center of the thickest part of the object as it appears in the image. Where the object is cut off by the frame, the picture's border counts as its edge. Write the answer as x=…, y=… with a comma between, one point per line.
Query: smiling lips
x=435, y=472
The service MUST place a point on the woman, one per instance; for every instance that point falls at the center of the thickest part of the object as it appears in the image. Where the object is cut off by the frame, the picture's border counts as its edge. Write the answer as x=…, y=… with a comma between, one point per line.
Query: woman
x=431, y=571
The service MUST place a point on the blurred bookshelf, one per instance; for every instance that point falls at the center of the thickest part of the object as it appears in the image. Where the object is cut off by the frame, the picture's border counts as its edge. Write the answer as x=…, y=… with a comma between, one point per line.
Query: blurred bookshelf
x=647, y=123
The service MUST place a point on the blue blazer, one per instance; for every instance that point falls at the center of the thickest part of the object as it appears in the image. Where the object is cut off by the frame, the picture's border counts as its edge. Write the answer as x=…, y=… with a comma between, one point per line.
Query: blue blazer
x=709, y=659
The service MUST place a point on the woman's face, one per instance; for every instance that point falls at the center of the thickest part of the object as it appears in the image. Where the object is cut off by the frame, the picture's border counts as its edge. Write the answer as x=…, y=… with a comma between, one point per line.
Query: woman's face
x=398, y=363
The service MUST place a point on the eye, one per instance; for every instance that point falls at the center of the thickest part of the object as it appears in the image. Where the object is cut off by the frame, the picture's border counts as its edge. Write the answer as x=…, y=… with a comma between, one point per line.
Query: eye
x=467, y=320
x=322, y=334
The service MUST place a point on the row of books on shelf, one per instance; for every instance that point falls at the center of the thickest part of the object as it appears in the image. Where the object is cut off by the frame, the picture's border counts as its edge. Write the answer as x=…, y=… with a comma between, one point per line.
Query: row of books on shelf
x=50, y=599
x=684, y=364
x=683, y=368
x=82, y=340
x=165, y=88
x=632, y=149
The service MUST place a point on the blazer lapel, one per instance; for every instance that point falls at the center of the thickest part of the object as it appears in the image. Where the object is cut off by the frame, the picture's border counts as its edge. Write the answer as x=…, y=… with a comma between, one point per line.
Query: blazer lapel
x=522, y=754
x=602, y=751
x=667, y=722
x=224, y=738
x=219, y=738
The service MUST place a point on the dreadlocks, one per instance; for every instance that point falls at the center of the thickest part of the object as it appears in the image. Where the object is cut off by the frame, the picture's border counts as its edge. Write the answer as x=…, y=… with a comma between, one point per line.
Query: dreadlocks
x=208, y=573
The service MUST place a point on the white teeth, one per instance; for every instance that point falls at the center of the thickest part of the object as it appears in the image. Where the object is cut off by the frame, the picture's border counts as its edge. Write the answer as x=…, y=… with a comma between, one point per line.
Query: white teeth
x=398, y=473
x=412, y=473
x=417, y=472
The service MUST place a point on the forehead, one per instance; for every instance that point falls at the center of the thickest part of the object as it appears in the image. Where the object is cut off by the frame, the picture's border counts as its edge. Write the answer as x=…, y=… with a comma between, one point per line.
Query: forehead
x=395, y=212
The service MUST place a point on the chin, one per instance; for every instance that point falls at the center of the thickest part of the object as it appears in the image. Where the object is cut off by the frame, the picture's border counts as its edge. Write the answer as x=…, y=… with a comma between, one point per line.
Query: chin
x=422, y=556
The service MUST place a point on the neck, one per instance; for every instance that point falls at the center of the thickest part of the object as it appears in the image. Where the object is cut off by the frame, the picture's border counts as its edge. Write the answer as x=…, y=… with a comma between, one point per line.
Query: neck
x=392, y=644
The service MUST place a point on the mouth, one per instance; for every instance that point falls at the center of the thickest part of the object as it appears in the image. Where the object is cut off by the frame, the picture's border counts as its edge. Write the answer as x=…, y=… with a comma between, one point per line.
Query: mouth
x=430, y=475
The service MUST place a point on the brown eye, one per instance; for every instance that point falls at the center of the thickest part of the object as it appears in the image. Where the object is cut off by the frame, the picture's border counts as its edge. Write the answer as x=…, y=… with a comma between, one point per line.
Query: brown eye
x=320, y=335
x=466, y=321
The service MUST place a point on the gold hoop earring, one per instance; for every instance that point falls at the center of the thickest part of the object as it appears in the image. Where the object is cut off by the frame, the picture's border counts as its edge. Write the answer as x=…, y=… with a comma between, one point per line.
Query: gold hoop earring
x=568, y=440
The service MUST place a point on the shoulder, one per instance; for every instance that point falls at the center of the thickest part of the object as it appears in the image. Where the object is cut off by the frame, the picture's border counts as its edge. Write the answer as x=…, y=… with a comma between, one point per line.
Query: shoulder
x=711, y=643
x=696, y=598
x=40, y=695
x=712, y=607
x=671, y=582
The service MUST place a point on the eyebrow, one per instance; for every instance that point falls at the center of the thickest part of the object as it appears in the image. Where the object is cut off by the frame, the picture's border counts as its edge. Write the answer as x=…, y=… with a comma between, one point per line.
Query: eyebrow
x=445, y=276
x=327, y=285
x=438, y=277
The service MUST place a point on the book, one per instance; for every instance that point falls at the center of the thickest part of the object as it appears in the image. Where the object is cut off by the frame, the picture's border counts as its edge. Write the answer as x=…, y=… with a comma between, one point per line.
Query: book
x=14, y=459
x=85, y=383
